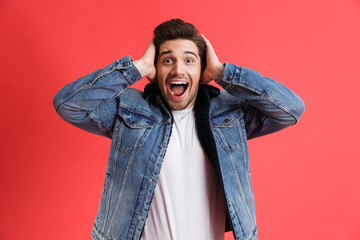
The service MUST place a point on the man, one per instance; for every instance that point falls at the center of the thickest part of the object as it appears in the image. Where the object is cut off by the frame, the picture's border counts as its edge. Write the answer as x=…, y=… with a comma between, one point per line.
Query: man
x=178, y=166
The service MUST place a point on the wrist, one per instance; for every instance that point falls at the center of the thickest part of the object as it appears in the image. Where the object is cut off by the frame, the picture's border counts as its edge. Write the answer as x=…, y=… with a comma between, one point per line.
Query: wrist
x=141, y=67
x=145, y=69
x=220, y=68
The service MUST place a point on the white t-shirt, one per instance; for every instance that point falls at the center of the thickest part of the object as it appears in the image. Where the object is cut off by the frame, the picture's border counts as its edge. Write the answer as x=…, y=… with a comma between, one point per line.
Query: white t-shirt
x=188, y=202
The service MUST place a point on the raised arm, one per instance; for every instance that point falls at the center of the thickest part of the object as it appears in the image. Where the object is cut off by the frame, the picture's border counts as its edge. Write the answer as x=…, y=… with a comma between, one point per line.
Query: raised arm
x=90, y=102
x=268, y=105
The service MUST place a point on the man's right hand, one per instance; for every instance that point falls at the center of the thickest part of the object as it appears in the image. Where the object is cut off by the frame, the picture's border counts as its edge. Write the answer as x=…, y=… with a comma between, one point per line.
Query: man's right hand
x=145, y=64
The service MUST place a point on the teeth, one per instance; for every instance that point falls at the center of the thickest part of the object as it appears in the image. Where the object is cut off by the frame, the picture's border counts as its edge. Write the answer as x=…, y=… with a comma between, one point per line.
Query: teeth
x=178, y=83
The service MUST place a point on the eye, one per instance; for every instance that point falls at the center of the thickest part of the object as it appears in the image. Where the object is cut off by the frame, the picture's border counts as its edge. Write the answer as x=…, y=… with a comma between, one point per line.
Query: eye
x=167, y=61
x=189, y=60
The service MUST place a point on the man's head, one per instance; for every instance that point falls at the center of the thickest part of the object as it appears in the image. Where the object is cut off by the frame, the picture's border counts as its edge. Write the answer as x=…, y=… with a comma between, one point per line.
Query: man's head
x=180, y=59
x=178, y=29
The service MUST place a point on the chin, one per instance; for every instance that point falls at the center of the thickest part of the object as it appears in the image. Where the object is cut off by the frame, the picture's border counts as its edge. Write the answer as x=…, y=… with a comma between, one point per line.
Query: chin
x=179, y=106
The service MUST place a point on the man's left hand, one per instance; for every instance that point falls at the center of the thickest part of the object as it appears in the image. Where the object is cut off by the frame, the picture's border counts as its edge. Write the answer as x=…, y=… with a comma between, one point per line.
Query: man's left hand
x=214, y=68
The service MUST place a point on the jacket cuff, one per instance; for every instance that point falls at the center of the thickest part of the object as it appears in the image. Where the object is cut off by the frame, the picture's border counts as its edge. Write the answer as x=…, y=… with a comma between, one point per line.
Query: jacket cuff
x=127, y=69
x=231, y=72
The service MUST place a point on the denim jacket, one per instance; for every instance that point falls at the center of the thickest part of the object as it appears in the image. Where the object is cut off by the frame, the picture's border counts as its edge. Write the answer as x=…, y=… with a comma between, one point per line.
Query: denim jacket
x=139, y=124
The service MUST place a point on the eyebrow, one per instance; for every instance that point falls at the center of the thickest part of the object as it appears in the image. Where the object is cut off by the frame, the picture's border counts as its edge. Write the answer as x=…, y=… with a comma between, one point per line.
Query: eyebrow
x=170, y=51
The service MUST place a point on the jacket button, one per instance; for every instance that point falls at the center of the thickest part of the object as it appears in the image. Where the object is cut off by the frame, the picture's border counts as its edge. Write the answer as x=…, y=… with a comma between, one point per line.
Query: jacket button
x=160, y=146
x=230, y=77
x=125, y=64
x=139, y=217
x=150, y=180
x=227, y=120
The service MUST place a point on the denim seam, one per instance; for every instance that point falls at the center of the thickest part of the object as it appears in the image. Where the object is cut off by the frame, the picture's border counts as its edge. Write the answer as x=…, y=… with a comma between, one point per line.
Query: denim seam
x=132, y=110
x=215, y=114
x=61, y=101
x=123, y=182
x=89, y=112
x=267, y=98
x=114, y=158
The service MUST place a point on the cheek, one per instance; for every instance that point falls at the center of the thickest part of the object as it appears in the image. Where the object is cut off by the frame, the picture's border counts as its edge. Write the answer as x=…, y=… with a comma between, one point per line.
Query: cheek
x=161, y=72
x=195, y=75
x=159, y=75
x=160, y=79
x=195, y=71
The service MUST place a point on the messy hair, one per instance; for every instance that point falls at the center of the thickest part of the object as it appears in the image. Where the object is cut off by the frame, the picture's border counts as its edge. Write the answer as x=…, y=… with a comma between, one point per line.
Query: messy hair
x=178, y=29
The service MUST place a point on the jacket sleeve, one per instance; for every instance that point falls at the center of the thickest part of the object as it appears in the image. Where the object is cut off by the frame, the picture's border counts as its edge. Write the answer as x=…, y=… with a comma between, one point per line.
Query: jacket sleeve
x=268, y=105
x=90, y=102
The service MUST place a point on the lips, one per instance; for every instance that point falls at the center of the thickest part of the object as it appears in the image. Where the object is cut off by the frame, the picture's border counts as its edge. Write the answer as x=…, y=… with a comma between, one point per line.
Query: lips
x=177, y=88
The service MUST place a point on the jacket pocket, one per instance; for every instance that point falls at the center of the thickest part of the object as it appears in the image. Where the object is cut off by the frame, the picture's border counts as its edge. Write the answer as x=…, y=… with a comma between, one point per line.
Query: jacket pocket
x=133, y=130
x=228, y=129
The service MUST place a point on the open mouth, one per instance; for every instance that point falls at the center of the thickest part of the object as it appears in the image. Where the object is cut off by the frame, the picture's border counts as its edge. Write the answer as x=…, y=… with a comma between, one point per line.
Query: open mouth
x=178, y=88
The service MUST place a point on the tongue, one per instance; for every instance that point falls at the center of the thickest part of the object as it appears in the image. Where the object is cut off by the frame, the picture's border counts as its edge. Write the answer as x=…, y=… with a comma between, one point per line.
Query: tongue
x=178, y=90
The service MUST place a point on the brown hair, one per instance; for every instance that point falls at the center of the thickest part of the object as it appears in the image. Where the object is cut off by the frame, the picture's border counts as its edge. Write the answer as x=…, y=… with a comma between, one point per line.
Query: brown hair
x=178, y=29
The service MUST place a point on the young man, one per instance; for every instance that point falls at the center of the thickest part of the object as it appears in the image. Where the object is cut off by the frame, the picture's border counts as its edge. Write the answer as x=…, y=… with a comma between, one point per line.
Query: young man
x=178, y=166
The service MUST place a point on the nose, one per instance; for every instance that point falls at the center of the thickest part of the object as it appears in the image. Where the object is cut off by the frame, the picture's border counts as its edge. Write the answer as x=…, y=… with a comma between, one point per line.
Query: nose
x=178, y=69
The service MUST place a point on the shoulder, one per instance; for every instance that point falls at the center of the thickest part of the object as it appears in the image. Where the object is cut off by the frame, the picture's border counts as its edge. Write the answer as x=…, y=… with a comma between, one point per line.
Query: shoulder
x=130, y=95
x=225, y=103
x=226, y=99
x=133, y=100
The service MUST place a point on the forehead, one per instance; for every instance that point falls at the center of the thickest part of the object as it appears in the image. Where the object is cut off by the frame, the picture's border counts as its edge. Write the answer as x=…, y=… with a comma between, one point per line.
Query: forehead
x=179, y=46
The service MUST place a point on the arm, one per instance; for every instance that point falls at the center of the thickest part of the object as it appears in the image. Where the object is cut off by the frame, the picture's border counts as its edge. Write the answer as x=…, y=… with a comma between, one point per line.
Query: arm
x=90, y=102
x=269, y=106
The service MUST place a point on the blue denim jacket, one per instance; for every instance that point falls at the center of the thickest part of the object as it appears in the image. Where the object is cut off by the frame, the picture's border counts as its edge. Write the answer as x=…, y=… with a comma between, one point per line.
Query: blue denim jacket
x=139, y=125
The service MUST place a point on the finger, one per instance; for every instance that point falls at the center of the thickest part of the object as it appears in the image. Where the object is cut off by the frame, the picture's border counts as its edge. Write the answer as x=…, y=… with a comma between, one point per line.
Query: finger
x=207, y=42
x=205, y=39
x=210, y=50
x=150, y=51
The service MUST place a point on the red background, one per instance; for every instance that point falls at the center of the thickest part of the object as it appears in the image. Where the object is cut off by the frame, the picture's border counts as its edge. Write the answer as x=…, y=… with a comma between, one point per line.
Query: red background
x=306, y=178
